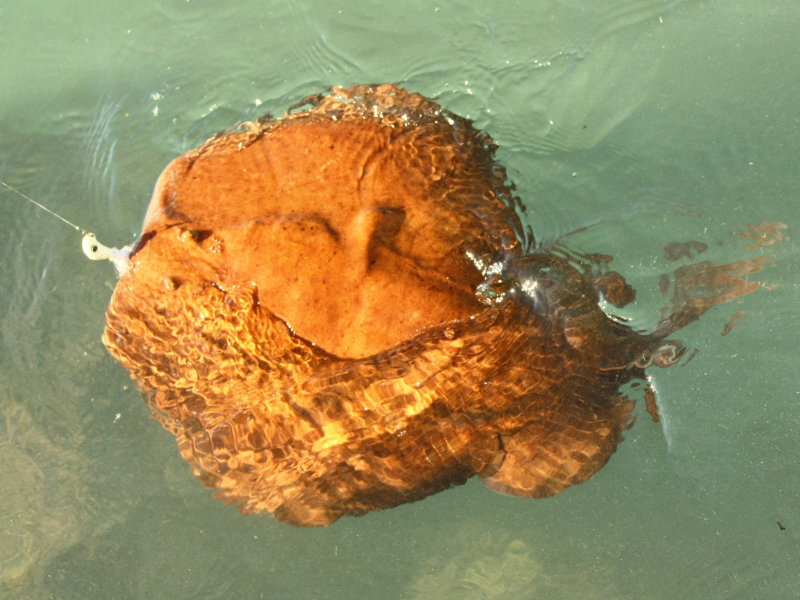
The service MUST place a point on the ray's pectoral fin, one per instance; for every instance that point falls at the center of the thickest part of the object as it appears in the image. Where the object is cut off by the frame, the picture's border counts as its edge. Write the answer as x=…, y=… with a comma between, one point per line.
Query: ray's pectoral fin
x=544, y=458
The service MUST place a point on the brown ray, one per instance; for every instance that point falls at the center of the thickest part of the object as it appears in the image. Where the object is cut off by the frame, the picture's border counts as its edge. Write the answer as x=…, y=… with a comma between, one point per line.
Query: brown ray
x=333, y=313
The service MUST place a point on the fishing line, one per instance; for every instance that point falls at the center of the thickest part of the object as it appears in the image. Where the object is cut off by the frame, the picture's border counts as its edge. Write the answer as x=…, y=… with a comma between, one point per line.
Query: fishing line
x=43, y=207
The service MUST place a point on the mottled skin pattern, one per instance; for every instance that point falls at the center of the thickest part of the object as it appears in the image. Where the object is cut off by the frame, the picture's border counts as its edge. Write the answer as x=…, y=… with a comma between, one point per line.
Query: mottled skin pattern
x=328, y=334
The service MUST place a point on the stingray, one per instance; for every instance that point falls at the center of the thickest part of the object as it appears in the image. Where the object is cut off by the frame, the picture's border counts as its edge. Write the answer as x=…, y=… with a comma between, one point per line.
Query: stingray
x=340, y=311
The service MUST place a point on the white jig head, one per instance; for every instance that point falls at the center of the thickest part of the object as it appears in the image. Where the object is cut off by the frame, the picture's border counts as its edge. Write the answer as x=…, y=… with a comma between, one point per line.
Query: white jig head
x=94, y=250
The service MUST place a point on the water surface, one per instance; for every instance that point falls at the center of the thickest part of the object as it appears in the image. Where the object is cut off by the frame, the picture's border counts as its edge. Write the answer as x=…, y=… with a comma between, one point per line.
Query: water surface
x=655, y=121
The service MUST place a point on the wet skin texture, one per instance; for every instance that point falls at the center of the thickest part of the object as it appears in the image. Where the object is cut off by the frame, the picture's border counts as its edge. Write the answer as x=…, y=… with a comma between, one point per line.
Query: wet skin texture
x=337, y=312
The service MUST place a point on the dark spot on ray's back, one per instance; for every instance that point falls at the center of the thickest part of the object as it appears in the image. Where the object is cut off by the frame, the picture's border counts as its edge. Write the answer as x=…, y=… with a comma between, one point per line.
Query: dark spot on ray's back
x=766, y=233
x=697, y=288
x=675, y=251
x=650, y=403
x=334, y=313
x=615, y=289
x=732, y=322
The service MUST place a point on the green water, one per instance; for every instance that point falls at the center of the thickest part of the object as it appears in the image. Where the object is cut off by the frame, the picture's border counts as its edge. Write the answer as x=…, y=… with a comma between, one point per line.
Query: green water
x=658, y=121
